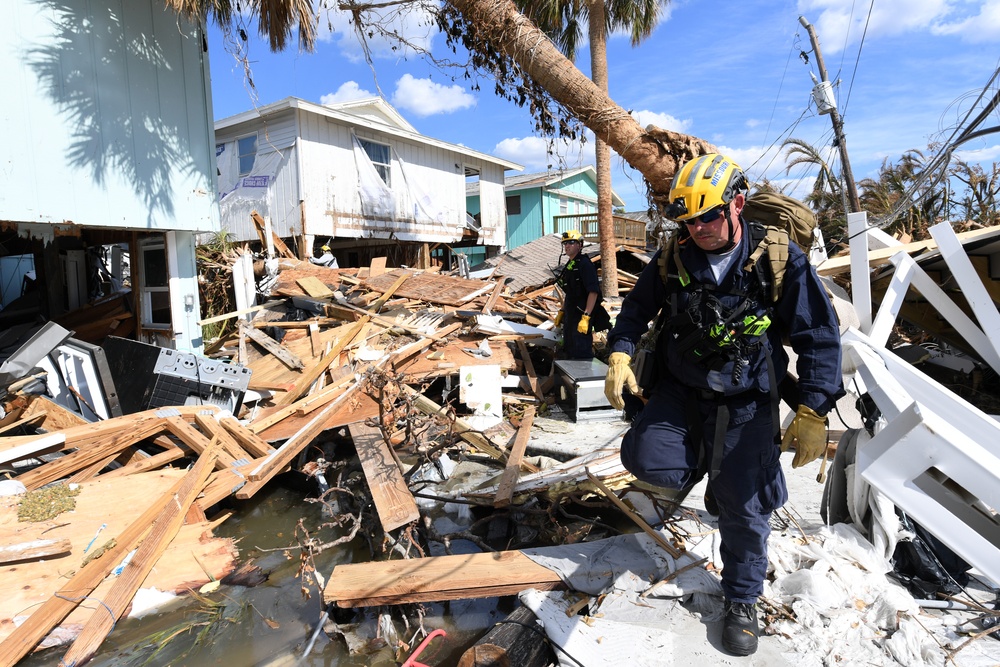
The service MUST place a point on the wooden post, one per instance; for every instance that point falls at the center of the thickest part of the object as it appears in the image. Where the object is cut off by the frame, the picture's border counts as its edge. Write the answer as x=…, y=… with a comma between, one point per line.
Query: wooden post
x=512, y=642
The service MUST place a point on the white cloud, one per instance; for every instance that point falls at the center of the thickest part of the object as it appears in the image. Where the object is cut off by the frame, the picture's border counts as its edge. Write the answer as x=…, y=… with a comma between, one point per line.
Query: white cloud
x=983, y=27
x=348, y=92
x=839, y=24
x=413, y=23
x=537, y=154
x=664, y=121
x=426, y=98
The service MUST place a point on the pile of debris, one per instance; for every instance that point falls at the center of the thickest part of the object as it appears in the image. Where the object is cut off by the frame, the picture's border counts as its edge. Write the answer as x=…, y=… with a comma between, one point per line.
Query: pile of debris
x=431, y=384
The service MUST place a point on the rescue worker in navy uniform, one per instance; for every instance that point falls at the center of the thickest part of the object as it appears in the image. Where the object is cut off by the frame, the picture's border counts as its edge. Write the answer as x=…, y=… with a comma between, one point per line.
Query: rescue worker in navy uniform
x=578, y=281
x=712, y=408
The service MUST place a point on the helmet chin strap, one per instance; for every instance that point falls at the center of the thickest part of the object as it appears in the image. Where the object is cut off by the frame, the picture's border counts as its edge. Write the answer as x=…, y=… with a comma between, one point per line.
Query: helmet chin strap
x=730, y=244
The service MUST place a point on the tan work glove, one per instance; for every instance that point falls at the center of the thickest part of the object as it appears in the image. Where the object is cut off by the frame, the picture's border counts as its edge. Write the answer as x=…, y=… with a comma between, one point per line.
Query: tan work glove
x=584, y=325
x=559, y=318
x=619, y=374
x=808, y=429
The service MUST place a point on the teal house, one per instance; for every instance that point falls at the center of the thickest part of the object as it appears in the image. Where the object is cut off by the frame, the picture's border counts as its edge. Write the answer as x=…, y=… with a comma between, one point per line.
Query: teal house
x=535, y=201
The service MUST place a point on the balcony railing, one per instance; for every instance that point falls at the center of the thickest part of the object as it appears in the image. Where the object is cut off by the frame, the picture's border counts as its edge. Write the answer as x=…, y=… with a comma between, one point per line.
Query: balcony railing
x=628, y=232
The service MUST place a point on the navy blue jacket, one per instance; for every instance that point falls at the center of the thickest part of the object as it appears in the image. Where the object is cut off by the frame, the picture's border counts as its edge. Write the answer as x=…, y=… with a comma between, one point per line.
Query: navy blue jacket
x=577, y=280
x=803, y=313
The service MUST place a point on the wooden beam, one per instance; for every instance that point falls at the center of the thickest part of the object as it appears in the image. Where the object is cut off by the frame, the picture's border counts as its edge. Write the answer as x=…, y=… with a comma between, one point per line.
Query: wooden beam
x=529, y=369
x=34, y=550
x=494, y=295
x=505, y=490
x=636, y=519
x=283, y=354
x=379, y=302
x=314, y=371
x=438, y=578
x=303, y=405
x=393, y=500
x=247, y=438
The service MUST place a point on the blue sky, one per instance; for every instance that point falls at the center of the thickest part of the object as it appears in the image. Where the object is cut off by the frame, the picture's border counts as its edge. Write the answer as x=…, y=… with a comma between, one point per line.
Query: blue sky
x=727, y=72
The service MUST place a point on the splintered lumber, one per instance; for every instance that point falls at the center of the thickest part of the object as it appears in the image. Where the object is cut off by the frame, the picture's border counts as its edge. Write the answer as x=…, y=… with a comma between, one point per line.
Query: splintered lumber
x=635, y=518
x=513, y=641
x=393, y=500
x=283, y=355
x=505, y=490
x=164, y=529
x=88, y=456
x=604, y=463
x=279, y=245
x=247, y=438
x=438, y=578
x=305, y=405
x=276, y=461
x=303, y=383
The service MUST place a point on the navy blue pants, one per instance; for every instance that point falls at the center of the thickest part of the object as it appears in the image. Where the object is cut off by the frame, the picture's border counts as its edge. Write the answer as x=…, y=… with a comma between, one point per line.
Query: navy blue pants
x=575, y=344
x=750, y=484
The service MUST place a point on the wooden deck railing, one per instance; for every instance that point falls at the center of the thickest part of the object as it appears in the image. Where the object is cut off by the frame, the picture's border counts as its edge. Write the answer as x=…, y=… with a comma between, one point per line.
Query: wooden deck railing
x=628, y=232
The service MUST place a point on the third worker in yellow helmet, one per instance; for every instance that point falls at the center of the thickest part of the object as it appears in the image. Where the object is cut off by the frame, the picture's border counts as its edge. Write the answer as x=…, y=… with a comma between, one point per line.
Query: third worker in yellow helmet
x=581, y=290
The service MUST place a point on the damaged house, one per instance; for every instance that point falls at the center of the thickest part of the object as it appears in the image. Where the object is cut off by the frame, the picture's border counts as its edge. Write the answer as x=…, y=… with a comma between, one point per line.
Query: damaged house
x=108, y=170
x=358, y=177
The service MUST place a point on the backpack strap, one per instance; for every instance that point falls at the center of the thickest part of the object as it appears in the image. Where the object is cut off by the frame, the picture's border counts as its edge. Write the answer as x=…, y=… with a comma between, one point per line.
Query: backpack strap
x=774, y=242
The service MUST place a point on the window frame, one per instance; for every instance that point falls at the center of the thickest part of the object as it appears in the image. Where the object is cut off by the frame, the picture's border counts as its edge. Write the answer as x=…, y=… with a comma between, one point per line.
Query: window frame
x=507, y=204
x=146, y=291
x=241, y=156
x=384, y=169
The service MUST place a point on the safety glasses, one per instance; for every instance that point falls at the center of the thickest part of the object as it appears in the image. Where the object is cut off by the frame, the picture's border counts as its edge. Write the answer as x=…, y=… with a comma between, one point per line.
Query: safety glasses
x=708, y=217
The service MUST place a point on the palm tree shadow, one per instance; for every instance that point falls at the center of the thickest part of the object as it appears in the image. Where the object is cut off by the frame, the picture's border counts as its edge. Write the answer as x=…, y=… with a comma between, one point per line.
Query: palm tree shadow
x=110, y=80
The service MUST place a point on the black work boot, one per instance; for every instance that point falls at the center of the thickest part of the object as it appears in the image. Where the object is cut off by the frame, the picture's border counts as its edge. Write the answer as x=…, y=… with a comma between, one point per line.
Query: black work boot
x=739, y=629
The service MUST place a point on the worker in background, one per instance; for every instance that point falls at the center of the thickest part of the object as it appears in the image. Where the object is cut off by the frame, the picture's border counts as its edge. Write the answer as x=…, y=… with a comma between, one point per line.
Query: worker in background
x=581, y=289
x=713, y=405
x=326, y=259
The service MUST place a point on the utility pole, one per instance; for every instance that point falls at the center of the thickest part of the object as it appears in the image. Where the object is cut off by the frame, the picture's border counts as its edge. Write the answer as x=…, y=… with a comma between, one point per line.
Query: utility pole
x=823, y=94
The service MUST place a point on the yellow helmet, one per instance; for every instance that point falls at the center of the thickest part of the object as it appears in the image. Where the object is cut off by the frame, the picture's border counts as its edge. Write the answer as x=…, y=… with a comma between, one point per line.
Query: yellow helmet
x=572, y=235
x=325, y=248
x=703, y=184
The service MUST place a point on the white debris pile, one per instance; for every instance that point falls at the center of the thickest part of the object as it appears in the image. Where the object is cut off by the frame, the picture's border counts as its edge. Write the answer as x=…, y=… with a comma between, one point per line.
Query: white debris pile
x=847, y=611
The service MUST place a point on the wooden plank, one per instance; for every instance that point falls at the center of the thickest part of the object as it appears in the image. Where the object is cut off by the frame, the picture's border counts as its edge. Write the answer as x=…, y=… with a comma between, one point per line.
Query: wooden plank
x=211, y=427
x=306, y=404
x=505, y=490
x=247, y=438
x=458, y=577
x=491, y=302
x=194, y=439
x=393, y=500
x=281, y=457
x=377, y=267
x=313, y=372
x=16, y=448
x=244, y=311
x=34, y=550
x=283, y=354
x=376, y=306
x=85, y=457
x=315, y=343
x=165, y=527
x=529, y=369
x=314, y=287
x=149, y=463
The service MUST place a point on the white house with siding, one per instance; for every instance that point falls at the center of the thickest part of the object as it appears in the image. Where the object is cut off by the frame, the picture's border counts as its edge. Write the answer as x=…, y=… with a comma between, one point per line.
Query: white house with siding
x=356, y=173
x=107, y=143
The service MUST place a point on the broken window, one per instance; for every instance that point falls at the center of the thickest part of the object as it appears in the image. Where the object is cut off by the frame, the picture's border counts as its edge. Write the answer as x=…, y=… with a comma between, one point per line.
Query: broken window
x=247, y=150
x=380, y=156
x=154, y=284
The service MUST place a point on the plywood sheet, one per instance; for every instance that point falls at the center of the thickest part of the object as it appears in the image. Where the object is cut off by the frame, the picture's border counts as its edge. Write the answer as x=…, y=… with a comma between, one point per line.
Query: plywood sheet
x=447, y=290
x=115, y=502
x=453, y=356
